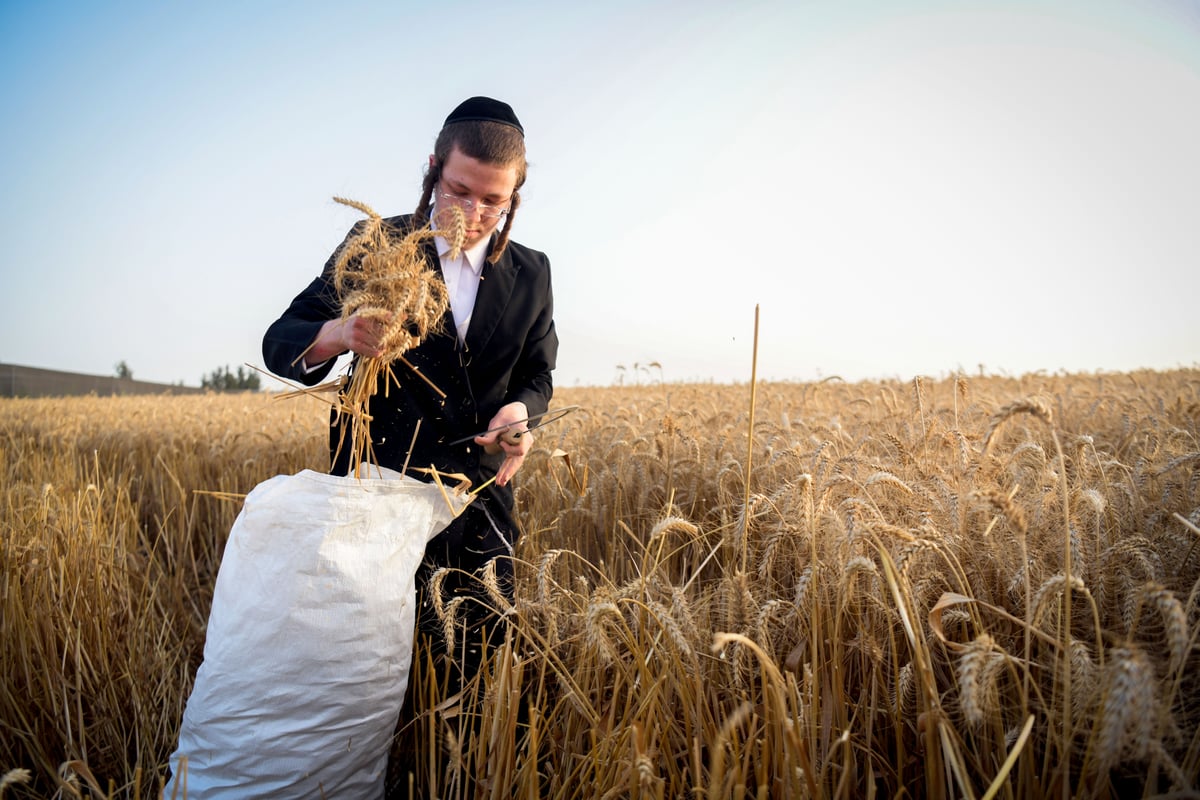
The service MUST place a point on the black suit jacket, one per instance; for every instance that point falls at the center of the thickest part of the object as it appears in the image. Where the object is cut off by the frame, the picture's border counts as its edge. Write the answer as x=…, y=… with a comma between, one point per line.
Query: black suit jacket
x=510, y=351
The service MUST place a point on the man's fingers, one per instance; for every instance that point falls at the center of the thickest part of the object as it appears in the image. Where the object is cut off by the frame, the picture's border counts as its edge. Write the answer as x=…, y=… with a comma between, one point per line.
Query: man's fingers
x=509, y=468
x=364, y=335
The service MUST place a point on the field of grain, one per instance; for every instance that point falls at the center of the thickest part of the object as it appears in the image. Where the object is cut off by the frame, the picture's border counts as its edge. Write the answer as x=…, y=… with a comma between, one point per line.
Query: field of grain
x=967, y=587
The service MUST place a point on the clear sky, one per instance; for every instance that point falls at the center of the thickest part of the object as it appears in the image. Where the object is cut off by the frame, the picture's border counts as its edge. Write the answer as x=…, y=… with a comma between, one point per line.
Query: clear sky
x=903, y=188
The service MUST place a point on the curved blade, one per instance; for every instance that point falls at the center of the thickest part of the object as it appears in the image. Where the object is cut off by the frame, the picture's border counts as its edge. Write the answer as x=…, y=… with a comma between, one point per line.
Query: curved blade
x=545, y=418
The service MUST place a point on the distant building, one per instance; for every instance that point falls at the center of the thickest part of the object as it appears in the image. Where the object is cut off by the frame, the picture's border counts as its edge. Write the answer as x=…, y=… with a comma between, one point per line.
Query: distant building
x=18, y=381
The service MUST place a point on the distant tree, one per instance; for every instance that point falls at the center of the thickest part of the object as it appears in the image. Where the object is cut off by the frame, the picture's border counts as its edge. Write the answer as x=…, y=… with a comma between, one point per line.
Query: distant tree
x=123, y=371
x=222, y=379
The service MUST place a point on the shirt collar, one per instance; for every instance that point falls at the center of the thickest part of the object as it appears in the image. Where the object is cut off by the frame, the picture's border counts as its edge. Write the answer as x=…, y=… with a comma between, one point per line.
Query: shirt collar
x=474, y=254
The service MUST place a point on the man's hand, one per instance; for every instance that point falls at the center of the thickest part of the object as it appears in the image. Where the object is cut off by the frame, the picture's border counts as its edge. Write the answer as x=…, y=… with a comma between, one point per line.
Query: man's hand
x=358, y=334
x=513, y=438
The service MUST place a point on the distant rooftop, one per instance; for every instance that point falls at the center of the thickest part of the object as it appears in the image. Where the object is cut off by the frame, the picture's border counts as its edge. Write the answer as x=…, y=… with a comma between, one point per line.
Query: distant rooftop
x=19, y=381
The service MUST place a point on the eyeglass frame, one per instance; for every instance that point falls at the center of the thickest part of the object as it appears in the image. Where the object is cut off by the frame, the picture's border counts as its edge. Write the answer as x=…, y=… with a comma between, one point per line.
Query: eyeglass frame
x=468, y=205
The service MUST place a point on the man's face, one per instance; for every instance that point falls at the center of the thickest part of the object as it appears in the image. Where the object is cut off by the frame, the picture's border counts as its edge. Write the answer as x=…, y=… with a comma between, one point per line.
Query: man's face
x=481, y=190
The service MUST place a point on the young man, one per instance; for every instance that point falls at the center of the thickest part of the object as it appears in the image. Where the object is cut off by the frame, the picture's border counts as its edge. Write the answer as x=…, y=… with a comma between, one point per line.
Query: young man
x=492, y=359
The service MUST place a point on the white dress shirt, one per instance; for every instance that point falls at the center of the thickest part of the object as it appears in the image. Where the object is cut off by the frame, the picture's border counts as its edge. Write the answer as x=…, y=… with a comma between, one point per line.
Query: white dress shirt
x=462, y=280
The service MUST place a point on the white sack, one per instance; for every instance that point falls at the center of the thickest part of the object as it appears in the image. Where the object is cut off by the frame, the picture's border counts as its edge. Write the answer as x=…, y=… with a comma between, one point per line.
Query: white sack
x=309, y=639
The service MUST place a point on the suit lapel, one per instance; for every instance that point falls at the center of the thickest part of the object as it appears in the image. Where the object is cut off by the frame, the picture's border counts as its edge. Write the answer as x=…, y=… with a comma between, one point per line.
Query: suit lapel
x=495, y=289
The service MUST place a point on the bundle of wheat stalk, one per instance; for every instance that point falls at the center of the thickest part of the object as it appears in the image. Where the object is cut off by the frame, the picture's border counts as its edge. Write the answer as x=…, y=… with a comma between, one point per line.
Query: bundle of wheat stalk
x=381, y=273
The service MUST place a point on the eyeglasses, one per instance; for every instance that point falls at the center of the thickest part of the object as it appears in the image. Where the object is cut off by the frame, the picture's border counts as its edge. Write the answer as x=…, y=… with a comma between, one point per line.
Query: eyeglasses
x=468, y=205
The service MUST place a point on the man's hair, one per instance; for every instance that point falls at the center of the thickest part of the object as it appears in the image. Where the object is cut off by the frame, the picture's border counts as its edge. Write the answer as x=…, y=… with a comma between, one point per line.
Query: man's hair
x=489, y=142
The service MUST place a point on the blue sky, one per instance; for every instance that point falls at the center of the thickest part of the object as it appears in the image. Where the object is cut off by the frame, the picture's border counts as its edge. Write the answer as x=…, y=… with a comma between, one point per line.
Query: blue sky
x=904, y=188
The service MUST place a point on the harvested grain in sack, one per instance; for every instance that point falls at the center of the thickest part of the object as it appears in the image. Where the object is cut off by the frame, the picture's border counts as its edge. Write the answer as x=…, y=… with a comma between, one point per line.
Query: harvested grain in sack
x=309, y=639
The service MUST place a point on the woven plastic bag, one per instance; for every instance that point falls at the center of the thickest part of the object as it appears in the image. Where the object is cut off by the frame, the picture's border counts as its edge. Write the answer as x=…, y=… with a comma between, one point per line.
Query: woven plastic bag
x=310, y=638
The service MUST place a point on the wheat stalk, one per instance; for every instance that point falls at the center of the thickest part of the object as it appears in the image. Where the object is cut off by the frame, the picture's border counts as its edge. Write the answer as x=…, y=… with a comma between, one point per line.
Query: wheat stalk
x=978, y=668
x=1129, y=711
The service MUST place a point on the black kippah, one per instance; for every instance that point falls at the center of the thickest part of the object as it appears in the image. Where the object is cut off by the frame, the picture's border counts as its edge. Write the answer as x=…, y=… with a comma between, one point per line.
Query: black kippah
x=485, y=109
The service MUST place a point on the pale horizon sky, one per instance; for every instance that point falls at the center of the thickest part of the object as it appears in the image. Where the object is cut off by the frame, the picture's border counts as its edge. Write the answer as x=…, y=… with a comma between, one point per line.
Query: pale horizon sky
x=903, y=188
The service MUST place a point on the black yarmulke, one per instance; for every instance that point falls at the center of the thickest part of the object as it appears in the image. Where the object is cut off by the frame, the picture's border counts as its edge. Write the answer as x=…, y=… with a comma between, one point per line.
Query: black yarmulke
x=485, y=109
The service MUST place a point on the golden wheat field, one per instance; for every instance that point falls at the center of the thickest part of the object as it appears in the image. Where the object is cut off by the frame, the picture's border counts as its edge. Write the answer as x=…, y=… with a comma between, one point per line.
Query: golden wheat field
x=968, y=587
